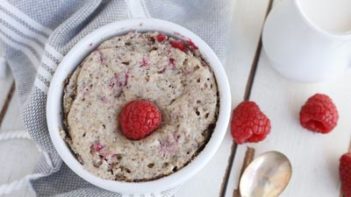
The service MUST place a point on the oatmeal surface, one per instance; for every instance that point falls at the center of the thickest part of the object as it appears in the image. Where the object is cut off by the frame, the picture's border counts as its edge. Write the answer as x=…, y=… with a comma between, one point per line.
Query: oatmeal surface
x=140, y=66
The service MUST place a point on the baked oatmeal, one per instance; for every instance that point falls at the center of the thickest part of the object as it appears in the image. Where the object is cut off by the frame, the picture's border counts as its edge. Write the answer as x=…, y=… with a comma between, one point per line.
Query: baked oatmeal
x=152, y=66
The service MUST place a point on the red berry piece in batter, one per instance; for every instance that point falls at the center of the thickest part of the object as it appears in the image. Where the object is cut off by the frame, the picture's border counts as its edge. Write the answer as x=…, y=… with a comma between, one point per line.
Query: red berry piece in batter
x=191, y=45
x=178, y=44
x=161, y=37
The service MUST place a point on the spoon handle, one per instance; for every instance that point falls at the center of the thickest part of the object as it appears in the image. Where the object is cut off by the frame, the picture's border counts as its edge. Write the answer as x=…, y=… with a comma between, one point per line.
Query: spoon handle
x=249, y=156
x=236, y=193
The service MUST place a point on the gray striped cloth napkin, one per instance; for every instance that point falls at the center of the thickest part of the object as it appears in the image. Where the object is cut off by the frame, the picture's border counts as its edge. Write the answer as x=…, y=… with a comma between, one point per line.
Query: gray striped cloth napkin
x=36, y=34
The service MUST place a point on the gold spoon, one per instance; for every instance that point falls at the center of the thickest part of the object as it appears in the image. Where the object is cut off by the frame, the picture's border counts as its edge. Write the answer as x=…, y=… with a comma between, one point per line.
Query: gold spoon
x=267, y=176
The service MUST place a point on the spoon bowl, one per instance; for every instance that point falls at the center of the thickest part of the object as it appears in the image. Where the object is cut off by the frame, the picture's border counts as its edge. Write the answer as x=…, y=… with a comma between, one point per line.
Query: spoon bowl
x=267, y=176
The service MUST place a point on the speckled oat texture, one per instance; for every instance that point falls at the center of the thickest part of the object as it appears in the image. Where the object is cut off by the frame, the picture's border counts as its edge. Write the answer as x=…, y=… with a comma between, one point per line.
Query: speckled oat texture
x=139, y=66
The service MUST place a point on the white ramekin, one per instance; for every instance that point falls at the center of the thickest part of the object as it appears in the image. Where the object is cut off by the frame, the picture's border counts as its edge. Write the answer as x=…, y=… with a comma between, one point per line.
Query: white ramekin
x=81, y=50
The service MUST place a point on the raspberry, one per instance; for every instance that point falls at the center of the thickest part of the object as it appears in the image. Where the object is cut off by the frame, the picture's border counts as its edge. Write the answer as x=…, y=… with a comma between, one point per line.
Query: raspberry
x=178, y=44
x=161, y=37
x=345, y=174
x=96, y=147
x=139, y=118
x=319, y=114
x=191, y=45
x=249, y=124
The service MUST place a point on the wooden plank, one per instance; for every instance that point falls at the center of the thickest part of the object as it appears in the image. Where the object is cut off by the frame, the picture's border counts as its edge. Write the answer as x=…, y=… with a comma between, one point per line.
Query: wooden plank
x=246, y=27
x=11, y=168
x=228, y=189
x=314, y=156
x=14, y=167
x=240, y=155
x=25, y=192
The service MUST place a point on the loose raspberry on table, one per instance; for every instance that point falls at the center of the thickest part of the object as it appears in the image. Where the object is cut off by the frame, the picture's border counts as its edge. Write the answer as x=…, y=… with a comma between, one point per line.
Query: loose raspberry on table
x=345, y=174
x=249, y=123
x=139, y=118
x=319, y=114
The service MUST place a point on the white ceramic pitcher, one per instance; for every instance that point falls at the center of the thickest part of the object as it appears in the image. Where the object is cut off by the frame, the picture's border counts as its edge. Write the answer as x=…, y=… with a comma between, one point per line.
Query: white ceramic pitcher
x=309, y=40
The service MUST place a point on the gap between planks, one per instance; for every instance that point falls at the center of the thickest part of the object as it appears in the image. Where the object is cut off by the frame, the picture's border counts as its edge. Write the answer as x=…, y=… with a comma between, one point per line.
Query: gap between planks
x=7, y=102
x=247, y=94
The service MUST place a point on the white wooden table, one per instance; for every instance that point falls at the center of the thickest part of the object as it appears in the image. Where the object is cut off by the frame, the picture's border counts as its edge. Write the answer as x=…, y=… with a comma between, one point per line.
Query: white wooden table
x=314, y=157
